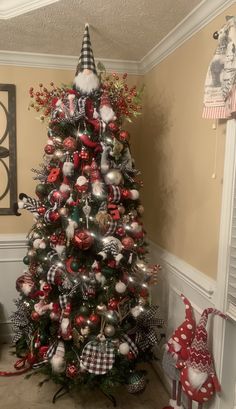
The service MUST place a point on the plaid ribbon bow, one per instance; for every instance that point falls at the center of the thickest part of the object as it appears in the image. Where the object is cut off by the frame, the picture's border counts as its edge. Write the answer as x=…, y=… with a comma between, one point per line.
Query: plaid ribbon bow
x=147, y=325
x=98, y=357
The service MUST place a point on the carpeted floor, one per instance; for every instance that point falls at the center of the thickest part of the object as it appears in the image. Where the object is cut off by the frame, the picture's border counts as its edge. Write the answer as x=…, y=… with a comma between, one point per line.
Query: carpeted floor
x=19, y=393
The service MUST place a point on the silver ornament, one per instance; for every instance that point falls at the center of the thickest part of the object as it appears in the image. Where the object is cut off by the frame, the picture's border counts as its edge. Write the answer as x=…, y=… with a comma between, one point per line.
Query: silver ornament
x=113, y=177
x=87, y=210
x=59, y=154
x=109, y=330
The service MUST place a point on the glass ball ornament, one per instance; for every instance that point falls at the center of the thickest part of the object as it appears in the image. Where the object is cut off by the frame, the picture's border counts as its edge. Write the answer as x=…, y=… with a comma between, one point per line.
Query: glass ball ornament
x=41, y=189
x=70, y=143
x=31, y=254
x=63, y=211
x=84, y=310
x=113, y=177
x=109, y=330
x=59, y=155
x=124, y=348
x=83, y=239
x=79, y=320
x=101, y=308
x=111, y=317
x=136, y=382
x=26, y=260
x=120, y=287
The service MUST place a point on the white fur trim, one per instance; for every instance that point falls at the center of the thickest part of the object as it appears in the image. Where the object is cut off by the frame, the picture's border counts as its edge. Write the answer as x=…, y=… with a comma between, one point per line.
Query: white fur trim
x=70, y=230
x=71, y=96
x=68, y=169
x=64, y=325
x=26, y=288
x=64, y=188
x=60, y=249
x=86, y=82
x=97, y=188
x=107, y=113
x=196, y=378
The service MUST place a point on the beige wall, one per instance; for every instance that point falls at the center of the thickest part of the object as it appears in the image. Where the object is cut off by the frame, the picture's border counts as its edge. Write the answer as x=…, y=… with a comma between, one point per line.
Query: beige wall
x=176, y=155
x=31, y=133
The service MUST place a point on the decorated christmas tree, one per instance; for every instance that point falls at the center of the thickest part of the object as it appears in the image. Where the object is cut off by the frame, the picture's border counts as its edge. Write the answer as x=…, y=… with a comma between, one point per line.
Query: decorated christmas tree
x=84, y=315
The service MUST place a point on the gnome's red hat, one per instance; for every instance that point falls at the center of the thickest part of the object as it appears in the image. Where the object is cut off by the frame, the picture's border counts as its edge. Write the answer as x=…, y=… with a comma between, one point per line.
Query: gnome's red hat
x=199, y=356
x=184, y=334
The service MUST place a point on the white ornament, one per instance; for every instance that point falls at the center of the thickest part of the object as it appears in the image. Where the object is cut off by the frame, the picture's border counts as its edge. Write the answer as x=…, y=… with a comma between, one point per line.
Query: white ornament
x=58, y=359
x=124, y=348
x=134, y=194
x=113, y=177
x=136, y=311
x=120, y=287
x=81, y=181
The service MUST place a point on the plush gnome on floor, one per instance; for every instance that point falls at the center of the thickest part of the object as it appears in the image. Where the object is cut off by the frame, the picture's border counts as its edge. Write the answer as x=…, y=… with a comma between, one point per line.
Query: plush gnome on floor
x=177, y=352
x=198, y=377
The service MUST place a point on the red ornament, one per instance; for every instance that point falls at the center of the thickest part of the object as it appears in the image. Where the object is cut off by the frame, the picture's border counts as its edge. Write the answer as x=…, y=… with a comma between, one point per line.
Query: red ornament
x=130, y=356
x=83, y=239
x=43, y=351
x=113, y=304
x=55, y=197
x=71, y=371
x=49, y=149
x=69, y=144
x=128, y=243
x=113, y=127
x=35, y=316
x=95, y=319
x=120, y=231
x=124, y=135
x=80, y=320
x=125, y=194
x=41, y=210
x=143, y=292
x=54, y=216
x=47, y=288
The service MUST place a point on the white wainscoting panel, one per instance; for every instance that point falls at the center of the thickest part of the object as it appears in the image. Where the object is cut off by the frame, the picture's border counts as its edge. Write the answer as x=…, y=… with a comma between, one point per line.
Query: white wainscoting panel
x=178, y=277
x=12, y=251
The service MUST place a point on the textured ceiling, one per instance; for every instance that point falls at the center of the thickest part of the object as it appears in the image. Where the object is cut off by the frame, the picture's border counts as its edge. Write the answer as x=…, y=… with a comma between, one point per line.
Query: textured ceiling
x=119, y=29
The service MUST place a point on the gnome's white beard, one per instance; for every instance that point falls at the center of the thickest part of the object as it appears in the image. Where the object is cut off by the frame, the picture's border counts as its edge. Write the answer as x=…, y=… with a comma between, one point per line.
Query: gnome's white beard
x=196, y=378
x=86, y=82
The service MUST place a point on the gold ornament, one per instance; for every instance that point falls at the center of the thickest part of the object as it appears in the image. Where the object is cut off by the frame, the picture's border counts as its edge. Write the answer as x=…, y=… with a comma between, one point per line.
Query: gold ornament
x=109, y=330
x=77, y=338
x=117, y=149
x=63, y=211
x=140, y=209
x=103, y=219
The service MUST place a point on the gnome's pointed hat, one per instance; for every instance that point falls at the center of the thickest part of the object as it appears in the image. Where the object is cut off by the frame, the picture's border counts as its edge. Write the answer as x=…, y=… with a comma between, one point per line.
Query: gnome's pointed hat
x=200, y=357
x=184, y=334
x=86, y=59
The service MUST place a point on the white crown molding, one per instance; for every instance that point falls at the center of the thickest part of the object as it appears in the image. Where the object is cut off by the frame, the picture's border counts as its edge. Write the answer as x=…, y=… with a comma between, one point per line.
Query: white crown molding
x=13, y=8
x=199, y=17
x=194, y=278
x=62, y=62
x=195, y=21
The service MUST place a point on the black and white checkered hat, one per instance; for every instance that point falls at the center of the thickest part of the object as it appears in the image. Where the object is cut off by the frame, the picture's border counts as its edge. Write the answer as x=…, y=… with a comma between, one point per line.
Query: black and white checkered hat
x=86, y=59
